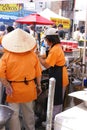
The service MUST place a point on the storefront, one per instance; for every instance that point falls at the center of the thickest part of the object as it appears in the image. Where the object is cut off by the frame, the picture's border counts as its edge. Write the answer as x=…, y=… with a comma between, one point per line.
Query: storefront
x=10, y=12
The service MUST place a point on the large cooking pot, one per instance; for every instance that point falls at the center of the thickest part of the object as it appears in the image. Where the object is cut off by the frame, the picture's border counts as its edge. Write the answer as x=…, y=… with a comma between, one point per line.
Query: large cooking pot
x=5, y=114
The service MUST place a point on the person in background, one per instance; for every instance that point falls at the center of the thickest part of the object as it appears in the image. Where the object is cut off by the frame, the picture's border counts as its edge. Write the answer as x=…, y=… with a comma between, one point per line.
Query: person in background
x=2, y=31
x=20, y=73
x=15, y=25
x=32, y=30
x=26, y=30
x=9, y=29
x=61, y=31
x=54, y=26
x=76, y=34
x=55, y=62
x=82, y=33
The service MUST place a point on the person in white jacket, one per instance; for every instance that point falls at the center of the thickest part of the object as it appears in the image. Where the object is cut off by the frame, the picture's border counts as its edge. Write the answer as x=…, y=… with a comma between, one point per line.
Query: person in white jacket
x=76, y=34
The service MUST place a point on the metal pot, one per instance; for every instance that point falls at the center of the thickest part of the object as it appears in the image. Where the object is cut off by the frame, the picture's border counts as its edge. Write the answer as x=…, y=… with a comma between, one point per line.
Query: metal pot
x=5, y=114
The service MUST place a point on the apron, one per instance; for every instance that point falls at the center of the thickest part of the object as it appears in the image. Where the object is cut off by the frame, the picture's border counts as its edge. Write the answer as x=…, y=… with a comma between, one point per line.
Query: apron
x=56, y=72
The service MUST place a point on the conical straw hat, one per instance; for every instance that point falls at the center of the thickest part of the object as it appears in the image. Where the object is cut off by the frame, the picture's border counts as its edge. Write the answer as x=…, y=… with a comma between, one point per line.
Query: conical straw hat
x=18, y=41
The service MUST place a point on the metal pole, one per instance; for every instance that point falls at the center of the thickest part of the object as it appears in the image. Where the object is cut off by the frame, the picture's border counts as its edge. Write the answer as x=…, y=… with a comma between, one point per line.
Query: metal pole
x=50, y=103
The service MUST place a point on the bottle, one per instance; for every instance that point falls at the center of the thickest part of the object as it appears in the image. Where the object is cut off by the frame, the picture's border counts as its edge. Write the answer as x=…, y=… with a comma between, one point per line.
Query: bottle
x=43, y=50
x=85, y=82
x=67, y=61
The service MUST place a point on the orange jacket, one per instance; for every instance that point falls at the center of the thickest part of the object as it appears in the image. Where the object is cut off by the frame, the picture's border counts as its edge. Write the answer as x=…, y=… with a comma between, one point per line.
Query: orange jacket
x=17, y=67
x=56, y=57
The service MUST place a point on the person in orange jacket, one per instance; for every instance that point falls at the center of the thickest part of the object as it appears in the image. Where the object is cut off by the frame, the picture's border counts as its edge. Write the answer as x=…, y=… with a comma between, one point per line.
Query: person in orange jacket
x=55, y=62
x=20, y=73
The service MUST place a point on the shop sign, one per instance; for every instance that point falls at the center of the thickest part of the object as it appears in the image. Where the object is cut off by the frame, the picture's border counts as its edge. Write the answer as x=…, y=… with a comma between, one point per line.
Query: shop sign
x=10, y=7
x=65, y=22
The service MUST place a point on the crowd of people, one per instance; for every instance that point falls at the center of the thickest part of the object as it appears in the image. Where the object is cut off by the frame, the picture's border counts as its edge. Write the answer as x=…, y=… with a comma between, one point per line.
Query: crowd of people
x=21, y=70
x=25, y=54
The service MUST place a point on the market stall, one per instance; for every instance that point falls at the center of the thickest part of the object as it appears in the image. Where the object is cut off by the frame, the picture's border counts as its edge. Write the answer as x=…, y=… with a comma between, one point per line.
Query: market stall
x=34, y=19
x=68, y=45
x=57, y=19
